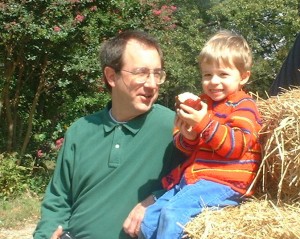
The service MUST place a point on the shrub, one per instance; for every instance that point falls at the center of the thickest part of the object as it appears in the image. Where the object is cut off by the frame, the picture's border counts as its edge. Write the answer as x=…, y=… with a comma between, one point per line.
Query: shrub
x=12, y=176
x=17, y=177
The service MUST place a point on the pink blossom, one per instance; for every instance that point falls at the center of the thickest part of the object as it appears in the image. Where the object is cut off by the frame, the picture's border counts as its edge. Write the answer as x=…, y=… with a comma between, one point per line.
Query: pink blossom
x=56, y=29
x=39, y=153
x=9, y=25
x=93, y=8
x=173, y=8
x=167, y=18
x=172, y=26
x=79, y=18
x=156, y=12
x=101, y=89
x=58, y=143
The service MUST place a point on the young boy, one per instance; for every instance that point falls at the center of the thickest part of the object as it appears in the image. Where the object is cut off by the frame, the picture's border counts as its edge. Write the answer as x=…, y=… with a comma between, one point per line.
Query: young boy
x=221, y=141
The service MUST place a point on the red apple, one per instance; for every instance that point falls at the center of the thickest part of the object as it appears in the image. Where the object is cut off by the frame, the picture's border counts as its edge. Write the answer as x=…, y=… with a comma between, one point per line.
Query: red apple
x=188, y=99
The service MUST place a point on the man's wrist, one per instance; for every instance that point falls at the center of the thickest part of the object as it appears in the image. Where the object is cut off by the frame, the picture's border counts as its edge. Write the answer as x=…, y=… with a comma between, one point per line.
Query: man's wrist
x=154, y=197
x=148, y=201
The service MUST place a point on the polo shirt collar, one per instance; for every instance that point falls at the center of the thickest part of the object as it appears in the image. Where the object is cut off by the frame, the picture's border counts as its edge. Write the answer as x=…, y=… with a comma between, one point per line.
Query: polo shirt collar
x=133, y=125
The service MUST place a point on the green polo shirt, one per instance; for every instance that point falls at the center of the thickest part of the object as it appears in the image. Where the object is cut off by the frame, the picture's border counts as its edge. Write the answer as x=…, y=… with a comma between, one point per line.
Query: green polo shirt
x=103, y=170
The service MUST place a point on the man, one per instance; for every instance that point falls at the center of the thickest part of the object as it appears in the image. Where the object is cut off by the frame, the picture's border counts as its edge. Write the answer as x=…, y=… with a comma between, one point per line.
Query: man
x=113, y=160
x=289, y=74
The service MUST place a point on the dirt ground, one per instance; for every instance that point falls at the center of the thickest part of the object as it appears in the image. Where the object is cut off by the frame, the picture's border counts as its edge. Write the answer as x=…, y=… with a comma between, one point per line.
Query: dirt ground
x=20, y=233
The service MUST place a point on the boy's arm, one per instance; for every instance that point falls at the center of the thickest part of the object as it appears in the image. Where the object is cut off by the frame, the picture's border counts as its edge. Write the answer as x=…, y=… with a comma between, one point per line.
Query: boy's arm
x=183, y=144
x=234, y=137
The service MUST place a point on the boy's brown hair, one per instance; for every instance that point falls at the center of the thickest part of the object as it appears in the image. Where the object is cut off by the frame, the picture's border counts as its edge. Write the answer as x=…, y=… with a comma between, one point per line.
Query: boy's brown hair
x=229, y=48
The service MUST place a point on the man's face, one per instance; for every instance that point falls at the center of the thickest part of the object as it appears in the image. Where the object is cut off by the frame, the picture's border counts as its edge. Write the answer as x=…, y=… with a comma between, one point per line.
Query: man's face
x=130, y=97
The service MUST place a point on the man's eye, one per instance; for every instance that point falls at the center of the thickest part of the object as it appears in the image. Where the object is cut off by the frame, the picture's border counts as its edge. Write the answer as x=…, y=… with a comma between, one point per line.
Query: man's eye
x=157, y=74
x=142, y=71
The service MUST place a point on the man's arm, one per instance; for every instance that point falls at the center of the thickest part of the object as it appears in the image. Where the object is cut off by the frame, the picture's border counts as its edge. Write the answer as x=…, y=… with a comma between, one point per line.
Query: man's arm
x=133, y=222
x=55, y=208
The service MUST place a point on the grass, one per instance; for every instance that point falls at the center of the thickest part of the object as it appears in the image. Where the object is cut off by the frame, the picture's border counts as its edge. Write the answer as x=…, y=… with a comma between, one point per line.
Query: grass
x=16, y=212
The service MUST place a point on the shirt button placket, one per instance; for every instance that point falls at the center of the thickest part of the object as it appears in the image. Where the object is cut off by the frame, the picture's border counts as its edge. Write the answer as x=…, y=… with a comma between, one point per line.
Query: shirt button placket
x=115, y=155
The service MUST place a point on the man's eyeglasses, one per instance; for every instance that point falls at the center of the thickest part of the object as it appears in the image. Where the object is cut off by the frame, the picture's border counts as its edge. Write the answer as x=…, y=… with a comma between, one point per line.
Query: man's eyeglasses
x=142, y=75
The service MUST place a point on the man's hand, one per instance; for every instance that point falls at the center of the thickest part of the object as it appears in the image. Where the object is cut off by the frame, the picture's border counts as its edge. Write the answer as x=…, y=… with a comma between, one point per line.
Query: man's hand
x=57, y=234
x=133, y=222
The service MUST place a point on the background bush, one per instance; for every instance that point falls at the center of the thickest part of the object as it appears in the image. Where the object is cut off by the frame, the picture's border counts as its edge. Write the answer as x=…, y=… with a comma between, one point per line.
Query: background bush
x=15, y=179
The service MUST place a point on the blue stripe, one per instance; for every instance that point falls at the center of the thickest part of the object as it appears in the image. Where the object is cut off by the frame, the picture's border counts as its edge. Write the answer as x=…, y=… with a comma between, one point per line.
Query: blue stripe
x=232, y=143
x=253, y=112
x=219, y=115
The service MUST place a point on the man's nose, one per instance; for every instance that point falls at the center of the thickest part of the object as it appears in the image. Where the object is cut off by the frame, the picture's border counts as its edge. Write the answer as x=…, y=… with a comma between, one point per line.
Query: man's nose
x=151, y=81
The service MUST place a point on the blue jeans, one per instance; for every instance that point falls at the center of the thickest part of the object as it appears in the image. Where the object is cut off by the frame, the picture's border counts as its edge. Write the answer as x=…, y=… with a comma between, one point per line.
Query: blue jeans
x=181, y=204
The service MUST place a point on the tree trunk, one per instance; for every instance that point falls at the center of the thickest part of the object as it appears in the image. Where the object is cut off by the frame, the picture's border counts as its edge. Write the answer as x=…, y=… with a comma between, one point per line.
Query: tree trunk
x=41, y=87
x=8, y=74
x=15, y=103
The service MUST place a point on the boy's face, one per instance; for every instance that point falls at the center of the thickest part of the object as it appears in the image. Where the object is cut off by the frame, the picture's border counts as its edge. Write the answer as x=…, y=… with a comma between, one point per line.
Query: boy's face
x=220, y=80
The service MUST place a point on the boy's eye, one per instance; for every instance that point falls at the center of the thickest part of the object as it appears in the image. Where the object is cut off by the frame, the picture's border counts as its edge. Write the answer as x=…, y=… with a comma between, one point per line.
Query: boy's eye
x=223, y=74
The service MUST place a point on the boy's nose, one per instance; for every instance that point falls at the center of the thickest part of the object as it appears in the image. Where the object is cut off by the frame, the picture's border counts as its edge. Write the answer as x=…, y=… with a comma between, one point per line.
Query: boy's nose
x=215, y=79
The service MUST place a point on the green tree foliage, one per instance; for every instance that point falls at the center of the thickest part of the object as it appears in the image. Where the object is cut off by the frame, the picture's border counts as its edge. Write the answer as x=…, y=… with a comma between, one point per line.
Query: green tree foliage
x=181, y=44
x=49, y=57
x=269, y=26
x=50, y=73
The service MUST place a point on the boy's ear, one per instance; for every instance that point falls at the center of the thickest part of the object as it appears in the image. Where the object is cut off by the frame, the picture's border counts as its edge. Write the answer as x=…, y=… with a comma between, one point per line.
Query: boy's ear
x=245, y=77
x=110, y=75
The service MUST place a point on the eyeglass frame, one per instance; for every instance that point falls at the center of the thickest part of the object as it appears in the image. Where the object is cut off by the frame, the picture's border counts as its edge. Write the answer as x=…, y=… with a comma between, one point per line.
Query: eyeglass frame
x=162, y=75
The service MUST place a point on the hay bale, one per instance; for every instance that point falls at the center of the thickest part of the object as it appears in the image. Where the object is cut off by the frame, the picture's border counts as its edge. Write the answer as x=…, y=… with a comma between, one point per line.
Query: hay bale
x=254, y=219
x=279, y=174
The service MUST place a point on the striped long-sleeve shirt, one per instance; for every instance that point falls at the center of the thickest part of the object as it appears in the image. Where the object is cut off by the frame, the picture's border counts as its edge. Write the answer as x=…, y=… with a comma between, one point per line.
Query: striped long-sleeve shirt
x=227, y=150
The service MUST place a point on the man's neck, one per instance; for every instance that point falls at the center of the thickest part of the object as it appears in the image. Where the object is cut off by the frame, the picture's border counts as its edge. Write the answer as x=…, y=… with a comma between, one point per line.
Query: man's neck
x=114, y=118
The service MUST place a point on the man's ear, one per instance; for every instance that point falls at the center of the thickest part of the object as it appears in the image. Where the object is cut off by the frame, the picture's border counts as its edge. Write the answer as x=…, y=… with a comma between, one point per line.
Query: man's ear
x=245, y=77
x=110, y=75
